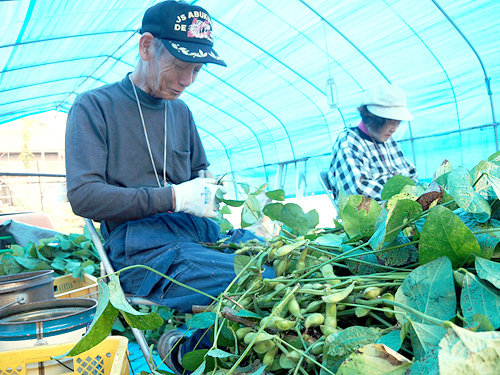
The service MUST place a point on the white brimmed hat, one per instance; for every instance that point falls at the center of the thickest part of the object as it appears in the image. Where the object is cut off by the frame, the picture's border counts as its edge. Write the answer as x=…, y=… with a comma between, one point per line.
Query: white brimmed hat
x=387, y=101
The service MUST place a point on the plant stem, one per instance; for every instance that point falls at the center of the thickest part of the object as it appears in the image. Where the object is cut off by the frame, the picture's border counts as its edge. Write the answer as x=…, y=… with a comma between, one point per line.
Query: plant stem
x=411, y=310
x=117, y=273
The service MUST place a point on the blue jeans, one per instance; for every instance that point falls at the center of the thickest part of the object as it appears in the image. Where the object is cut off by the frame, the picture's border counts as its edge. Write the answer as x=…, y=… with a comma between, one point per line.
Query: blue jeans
x=170, y=244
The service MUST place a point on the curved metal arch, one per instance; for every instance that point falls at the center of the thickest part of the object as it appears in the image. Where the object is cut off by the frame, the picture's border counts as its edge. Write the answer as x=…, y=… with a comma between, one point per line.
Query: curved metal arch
x=444, y=71
x=245, y=125
x=229, y=131
x=46, y=82
x=250, y=99
x=96, y=69
x=33, y=98
x=346, y=39
x=68, y=37
x=225, y=150
x=26, y=112
x=51, y=63
x=486, y=78
x=285, y=65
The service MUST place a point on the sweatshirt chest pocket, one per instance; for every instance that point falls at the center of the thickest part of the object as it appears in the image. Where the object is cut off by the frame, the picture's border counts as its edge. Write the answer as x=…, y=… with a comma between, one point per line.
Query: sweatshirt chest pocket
x=180, y=168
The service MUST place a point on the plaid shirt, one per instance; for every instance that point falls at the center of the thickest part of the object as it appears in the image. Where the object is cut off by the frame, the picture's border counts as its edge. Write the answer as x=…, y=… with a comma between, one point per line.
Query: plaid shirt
x=358, y=167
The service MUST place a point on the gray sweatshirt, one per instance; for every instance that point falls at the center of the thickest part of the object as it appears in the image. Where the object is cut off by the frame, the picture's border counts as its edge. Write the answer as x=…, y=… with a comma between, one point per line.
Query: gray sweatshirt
x=109, y=172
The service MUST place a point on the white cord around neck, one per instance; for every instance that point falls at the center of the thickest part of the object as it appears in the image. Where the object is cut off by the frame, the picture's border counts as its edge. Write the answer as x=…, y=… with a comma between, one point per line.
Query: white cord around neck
x=147, y=139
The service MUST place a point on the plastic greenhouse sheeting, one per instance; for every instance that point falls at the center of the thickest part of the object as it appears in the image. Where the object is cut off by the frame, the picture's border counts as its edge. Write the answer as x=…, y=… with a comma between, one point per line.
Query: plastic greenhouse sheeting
x=268, y=107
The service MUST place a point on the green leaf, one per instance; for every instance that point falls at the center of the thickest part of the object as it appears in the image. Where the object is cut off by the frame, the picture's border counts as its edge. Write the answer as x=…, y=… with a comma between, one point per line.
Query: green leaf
x=425, y=337
x=11, y=266
x=332, y=240
x=495, y=158
x=77, y=272
x=277, y=195
x=240, y=262
x=218, y=353
x=312, y=219
x=484, y=174
x=441, y=174
x=360, y=215
x=193, y=360
x=293, y=216
x=403, y=211
x=202, y=321
x=245, y=187
x=487, y=241
x=391, y=339
x=460, y=185
x=229, y=202
x=200, y=370
x=484, y=323
x=66, y=244
x=28, y=263
x=340, y=345
x=225, y=225
x=395, y=255
x=248, y=216
x=374, y=359
x=273, y=211
x=427, y=365
x=101, y=324
x=445, y=234
x=488, y=270
x=394, y=186
x=248, y=314
x=463, y=352
x=253, y=204
x=225, y=210
x=429, y=289
x=134, y=318
x=495, y=184
x=480, y=298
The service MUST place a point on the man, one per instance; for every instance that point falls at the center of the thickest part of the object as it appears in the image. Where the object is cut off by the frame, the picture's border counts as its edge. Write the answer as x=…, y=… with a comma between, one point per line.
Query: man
x=133, y=161
x=365, y=157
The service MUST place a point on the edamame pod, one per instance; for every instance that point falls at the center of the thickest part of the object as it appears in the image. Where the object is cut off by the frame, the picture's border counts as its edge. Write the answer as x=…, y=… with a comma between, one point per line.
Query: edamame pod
x=264, y=346
x=241, y=333
x=338, y=296
x=362, y=311
x=294, y=308
x=294, y=356
x=331, y=315
x=371, y=292
x=314, y=320
x=317, y=348
x=287, y=249
x=328, y=330
x=263, y=336
x=286, y=363
x=301, y=263
x=269, y=357
x=313, y=306
x=285, y=325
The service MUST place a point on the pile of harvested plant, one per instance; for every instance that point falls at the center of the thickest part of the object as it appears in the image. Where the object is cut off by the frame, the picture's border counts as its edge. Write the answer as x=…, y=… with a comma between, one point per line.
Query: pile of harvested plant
x=408, y=287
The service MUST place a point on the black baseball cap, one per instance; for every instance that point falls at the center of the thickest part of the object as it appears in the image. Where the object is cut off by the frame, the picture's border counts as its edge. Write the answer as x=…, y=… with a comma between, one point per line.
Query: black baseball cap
x=184, y=29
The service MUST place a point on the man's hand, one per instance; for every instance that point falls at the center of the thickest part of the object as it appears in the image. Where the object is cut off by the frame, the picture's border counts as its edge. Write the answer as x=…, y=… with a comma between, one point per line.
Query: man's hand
x=197, y=197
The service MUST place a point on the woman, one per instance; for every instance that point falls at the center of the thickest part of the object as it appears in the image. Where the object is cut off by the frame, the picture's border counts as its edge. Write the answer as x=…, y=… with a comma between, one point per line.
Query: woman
x=366, y=156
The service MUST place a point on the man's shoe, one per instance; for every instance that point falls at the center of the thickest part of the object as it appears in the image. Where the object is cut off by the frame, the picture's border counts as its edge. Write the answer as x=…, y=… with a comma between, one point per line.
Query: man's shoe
x=167, y=341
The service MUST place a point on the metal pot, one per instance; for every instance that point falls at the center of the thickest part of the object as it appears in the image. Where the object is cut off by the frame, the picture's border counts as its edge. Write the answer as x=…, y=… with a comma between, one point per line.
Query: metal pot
x=26, y=287
x=50, y=322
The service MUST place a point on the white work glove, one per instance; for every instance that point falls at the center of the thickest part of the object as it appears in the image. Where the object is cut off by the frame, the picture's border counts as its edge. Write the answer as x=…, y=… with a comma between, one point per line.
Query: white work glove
x=197, y=197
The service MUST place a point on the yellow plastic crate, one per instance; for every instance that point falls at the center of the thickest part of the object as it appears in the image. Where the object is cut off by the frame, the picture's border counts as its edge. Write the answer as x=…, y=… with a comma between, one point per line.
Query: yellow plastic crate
x=107, y=358
x=68, y=287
